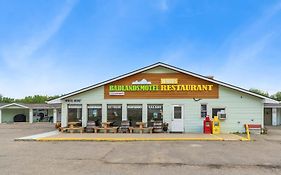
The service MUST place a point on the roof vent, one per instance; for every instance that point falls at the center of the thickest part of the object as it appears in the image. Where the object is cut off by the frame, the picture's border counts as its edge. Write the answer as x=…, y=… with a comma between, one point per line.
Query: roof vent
x=210, y=77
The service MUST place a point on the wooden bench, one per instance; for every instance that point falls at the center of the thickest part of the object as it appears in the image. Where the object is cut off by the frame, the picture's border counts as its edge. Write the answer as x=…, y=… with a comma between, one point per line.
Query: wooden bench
x=149, y=129
x=80, y=129
x=256, y=127
x=113, y=129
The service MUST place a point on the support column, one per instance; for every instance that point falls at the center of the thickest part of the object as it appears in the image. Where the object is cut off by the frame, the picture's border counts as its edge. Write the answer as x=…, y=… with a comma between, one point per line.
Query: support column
x=30, y=115
x=167, y=113
x=144, y=113
x=274, y=116
x=279, y=116
x=0, y=115
x=84, y=115
x=124, y=112
x=55, y=115
x=104, y=112
x=64, y=113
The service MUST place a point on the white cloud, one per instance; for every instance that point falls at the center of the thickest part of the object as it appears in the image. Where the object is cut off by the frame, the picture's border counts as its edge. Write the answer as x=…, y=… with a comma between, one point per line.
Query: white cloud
x=247, y=49
x=19, y=52
x=163, y=5
x=28, y=72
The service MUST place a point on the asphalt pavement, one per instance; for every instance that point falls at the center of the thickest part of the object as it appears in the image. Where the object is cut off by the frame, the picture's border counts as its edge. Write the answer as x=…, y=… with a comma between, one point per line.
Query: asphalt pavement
x=261, y=156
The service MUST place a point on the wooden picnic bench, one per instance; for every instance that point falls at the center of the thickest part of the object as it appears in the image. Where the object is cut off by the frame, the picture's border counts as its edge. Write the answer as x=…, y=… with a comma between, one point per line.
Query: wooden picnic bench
x=72, y=126
x=112, y=129
x=105, y=127
x=141, y=128
x=72, y=129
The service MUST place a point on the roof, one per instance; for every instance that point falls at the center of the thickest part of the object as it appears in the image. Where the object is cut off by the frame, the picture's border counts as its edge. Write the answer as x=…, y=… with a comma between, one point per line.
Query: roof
x=272, y=105
x=30, y=106
x=154, y=66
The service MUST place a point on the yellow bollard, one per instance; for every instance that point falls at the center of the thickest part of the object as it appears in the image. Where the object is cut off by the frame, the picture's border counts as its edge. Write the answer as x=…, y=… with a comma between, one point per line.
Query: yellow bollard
x=248, y=132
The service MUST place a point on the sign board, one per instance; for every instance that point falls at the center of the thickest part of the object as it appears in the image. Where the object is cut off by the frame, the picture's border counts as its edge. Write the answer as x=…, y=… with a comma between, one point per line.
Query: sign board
x=155, y=85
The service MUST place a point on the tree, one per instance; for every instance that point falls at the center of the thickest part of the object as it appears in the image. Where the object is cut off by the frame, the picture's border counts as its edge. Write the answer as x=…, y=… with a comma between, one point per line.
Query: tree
x=276, y=96
x=6, y=100
x=260, y=92
x=28, y=99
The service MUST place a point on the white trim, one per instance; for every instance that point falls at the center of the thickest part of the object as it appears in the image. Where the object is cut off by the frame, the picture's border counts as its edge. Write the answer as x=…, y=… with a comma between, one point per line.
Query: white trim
x=16, y=104
x=165, y=66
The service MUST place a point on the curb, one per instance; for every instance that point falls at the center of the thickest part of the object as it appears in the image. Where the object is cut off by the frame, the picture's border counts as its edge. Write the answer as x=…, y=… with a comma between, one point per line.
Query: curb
x=136, y=139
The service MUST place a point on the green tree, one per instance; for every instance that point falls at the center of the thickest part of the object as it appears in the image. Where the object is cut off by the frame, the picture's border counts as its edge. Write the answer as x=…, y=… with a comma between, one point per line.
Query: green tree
x=28, y=99
x=6, y=100
x=260, y=92
x=276, y=96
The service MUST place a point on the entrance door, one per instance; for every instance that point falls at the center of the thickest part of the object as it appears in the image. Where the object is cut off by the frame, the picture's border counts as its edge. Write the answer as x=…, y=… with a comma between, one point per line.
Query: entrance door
x=177, y=119
x=268, y=116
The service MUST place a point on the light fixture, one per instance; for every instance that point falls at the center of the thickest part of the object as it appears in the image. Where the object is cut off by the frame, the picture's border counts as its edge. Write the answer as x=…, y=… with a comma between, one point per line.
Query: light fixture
x=197, y=99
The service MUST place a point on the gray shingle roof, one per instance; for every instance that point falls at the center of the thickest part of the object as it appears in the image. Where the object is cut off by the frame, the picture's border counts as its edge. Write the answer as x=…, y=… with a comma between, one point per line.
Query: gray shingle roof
x=35, y=106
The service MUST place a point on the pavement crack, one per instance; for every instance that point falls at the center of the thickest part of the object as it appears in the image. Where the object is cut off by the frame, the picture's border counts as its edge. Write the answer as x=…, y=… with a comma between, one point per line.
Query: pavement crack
x=212, y=166
x=103, y=158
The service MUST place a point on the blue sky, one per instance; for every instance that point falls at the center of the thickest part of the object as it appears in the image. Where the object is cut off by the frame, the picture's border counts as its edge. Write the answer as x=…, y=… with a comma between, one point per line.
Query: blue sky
x=54, y=47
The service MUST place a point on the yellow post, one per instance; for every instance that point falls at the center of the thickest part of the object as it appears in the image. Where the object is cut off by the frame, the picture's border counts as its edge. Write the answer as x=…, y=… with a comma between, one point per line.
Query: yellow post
x=216, y=125
x=248, y=132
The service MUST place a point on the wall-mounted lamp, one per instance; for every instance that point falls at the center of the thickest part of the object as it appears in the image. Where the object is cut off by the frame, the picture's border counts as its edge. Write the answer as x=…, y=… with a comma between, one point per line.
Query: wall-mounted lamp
x=197, y=99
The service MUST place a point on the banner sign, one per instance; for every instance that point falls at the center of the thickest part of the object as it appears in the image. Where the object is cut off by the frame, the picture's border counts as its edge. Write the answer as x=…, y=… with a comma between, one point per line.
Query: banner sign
x=186, y=87
x=161, y=86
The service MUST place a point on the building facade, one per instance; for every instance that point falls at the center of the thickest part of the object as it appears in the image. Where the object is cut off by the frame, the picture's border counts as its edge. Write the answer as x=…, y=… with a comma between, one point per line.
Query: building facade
x=166, y=93
x=18, y=112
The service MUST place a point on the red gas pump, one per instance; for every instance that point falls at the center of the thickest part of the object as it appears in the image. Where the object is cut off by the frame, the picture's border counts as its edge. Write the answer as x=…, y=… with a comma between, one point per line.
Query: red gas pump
x=207, y=125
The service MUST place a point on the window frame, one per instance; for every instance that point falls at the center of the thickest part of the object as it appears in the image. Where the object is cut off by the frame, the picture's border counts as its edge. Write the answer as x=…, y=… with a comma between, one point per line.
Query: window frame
x=205, y=111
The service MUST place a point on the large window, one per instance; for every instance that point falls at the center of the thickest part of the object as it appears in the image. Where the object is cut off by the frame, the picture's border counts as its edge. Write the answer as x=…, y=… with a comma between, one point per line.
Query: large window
x=134, y=113
x=114, y=114
x=154, y=113
x=220, y=112
x=40, y=115
x=74, y=113
x=95, y=114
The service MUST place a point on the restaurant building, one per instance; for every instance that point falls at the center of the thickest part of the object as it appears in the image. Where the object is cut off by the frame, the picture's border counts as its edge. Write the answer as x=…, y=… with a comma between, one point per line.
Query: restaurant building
x=166, y=93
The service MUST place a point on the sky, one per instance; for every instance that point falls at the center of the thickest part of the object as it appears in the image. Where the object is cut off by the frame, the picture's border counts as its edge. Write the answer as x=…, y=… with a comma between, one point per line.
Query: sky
x=55, y=47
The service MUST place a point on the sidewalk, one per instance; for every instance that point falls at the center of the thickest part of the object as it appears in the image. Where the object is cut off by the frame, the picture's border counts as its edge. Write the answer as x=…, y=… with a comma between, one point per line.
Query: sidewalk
x=56, y=136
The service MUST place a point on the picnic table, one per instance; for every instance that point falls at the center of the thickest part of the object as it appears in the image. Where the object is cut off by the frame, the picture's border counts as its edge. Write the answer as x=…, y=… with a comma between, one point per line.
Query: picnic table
x=71, y=127
x=106, y=127
x=141, y=127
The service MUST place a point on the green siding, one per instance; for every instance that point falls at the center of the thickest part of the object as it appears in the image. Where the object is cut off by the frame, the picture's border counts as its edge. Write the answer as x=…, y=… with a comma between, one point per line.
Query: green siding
x=241, y=108
x=8, y=114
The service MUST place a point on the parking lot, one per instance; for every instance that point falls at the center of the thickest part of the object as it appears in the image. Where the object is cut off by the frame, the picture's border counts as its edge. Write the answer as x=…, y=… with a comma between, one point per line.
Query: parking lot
x=182, y=157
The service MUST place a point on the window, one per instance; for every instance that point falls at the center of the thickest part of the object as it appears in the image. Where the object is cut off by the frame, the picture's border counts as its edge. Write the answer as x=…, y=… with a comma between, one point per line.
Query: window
x=40, y=115
x=114, y=114
x=177, y=112
x=220, y=112
x=134, y=113
x=154, y=113
x=74, y=113
x=203, y=110
x=95, y=114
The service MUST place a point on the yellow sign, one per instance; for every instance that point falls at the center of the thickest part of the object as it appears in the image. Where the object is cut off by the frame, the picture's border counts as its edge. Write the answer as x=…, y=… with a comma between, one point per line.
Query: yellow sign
x=186, y=87
x=169, y=81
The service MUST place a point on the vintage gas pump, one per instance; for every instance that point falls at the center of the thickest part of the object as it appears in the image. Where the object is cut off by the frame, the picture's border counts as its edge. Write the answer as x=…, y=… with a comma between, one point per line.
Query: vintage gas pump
x=207, y=125
x=216, y=125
